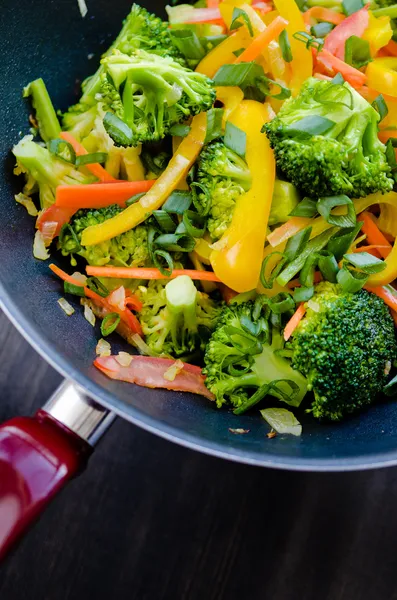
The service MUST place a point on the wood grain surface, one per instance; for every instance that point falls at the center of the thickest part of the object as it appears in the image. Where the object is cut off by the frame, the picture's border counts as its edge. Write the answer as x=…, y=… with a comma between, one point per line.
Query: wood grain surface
x=152, y=521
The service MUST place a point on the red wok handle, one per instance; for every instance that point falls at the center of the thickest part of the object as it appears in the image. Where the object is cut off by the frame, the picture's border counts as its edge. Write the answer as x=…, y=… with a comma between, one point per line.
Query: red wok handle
x=40, y=454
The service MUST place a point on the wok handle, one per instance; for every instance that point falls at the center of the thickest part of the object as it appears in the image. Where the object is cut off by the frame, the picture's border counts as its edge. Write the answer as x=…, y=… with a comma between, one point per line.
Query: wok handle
x=40, y=454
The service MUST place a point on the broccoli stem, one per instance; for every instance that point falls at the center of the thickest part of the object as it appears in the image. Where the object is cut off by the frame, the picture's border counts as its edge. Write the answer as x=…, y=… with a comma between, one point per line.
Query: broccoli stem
x=35, y=159
x=181, y=296
x=45, y=113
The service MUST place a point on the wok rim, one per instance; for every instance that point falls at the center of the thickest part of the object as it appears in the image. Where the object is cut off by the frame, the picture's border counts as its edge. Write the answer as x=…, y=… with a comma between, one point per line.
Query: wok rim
x=54, y=358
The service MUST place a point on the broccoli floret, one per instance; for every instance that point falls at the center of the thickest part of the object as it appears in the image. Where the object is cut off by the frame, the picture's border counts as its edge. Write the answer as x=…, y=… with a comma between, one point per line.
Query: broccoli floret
x=141, y=29
x=176, y=318
x=244, y=353
x=345, y=346
x=222, y=176
x=128, y=249
x=347, y=158
x=157, y=94
x=44, y=172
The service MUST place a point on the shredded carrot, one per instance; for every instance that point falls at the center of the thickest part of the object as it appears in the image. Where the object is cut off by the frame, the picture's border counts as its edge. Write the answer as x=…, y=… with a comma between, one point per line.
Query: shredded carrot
x=323, y=14
x=148, y=273
x=125, y=315
x=212, y=3
x=373, y=249
x=262, y=40
x=99, y=195
x=350, y=74
x=95, y=168
x=287, y=230
x=294, y=321
x=374, y=235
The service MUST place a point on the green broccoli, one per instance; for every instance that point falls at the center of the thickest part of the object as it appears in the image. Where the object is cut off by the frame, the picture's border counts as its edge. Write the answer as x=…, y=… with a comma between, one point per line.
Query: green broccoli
x=130, y=249
x=345, y=346
x=245, y=353
x=222, y=176
x=155, y=94
x=176, y=318
x=326, y=142
x=141, y=29
x=44, y=171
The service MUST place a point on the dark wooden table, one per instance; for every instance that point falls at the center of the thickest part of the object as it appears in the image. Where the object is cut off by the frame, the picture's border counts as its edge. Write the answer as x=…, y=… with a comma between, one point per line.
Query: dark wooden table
x=152, y=521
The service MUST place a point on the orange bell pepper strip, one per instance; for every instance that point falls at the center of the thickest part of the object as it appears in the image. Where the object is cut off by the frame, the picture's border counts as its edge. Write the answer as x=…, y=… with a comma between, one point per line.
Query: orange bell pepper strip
x=176, y=170
x=237, y=256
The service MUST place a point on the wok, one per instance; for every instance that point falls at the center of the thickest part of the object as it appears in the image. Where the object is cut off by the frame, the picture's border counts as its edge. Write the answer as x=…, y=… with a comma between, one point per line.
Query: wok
x=50, y=39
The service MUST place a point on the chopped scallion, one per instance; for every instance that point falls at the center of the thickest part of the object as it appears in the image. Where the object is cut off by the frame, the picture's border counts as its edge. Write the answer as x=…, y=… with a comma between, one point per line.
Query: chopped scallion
x=118, y=130
x=178, y=202
x=309, y=126
x=380, y=105
x=109, y=324
x=365, y=262
x=351, y=6
x=306, y=208
x=62, y=150
x=351, y=281
x=214, y=124
x=235, y=139
x=325, y=205
x=89, y=159
x=238, y=14
x=357, y=52
x=76, y=290
x=285, y=46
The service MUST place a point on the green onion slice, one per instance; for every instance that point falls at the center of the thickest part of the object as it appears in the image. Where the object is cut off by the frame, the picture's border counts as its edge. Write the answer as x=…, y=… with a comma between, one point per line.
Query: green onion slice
x=178, y=202
x=297, y=243
x=271, y=268
x=338, y=79
x=119, y=131
x=94, y=284
x=195, y=224
x=157, y=255
x=235, y=139
x=306, y=208
x=351, y=281
x=322, y=29
x=165, y=221
x=390, y=389
x=214, y=124
x=351, y=6
x=357, y=52
x=203, y=210
x=391, y=157
x=306, y=276
x=309, y=126
x=238, y=52
x=243, y=342
x=179, y=130
x=365, y=262
x=89, y=159
x=187, y=43
x=109, y=324
x=340, y=243
x=281, y=303
x=285, y=46
x=236, y=23
x=174, y=242
x=76, y=290
x=255, y=398
x=309, y=40
x=62, y=150
x=328, y=265
x=135, y=198
x=67, y=229
x=303, y=294
x=325, y=205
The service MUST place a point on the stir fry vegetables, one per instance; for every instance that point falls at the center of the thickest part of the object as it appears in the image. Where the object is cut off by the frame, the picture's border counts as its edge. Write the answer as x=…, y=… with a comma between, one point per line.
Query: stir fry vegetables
x=224, y=193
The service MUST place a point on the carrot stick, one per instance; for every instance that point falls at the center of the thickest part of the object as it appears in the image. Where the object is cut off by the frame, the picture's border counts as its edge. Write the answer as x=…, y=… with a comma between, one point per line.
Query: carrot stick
x=261, y=41
x=95, y=168
x=212, y=3
x=374, y=235
x=322, y=14
x=373, y=249
x=391, y=48
x=350, y=74
x=99, y=195
x=294, y=321
x=144, y=273
x=125, y=315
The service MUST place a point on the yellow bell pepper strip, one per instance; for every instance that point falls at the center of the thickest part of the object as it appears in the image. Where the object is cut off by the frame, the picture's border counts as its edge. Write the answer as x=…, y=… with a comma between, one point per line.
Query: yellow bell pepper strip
x=378, y=33
x=237, y=256
x=382, y=75
x=223, y=53
x=176, y=170
x=230, y=96
x=203, y=249
x=302, y=61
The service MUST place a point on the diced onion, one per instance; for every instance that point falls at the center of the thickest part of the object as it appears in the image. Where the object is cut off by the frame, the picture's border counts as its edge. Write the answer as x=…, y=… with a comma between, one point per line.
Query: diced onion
x=48, y=230
x=89, y=315
x=82, y=7
x=39, y=250
x=27, y=203
x=103, y=348
x=66, y=307
x=124, y=359
x=79, y=277
x=282, y=420
x=141, y=345
x=117, y=298
x=173, y=370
